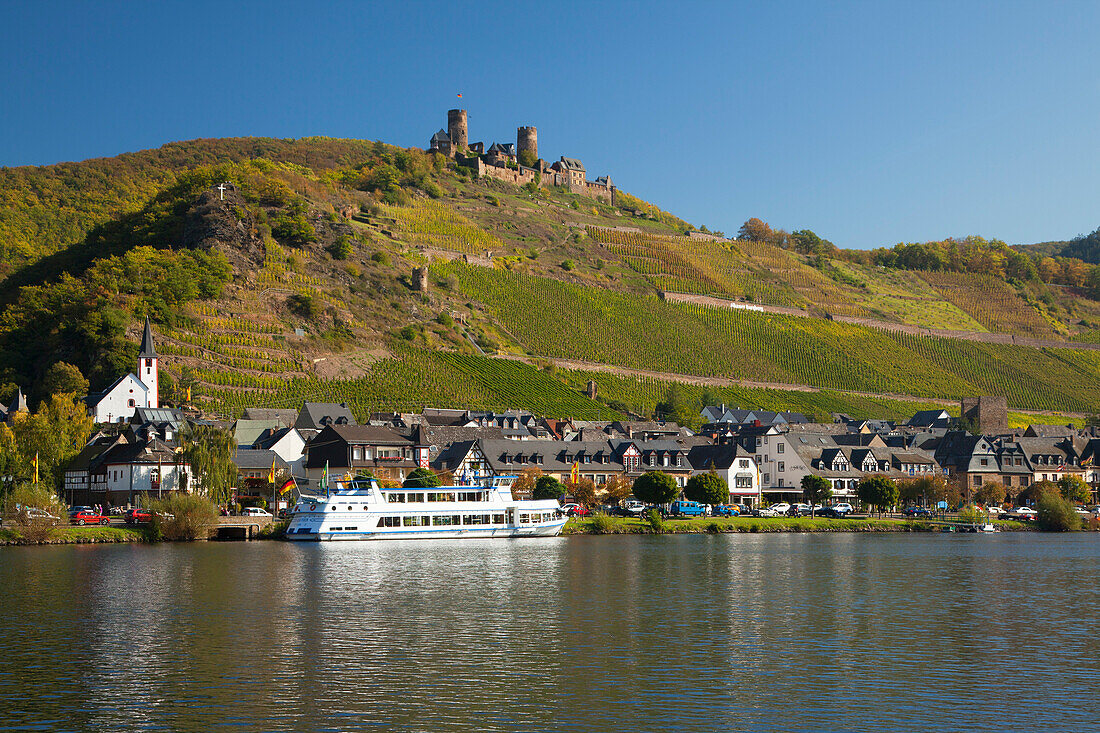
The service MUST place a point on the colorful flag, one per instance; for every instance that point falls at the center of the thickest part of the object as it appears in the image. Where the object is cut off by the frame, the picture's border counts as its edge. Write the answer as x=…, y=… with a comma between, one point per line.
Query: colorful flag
x=287, y=485
x=36, y=467
x=271, y=473
x=575, y=474
x=324, y=479
x=460, y=96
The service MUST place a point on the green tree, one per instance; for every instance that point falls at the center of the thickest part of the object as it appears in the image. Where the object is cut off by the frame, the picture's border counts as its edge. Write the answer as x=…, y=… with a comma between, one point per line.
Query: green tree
x=548, y=487
x=877, y=491
x=64, y=378
x=707, y=488
x=815, y=490
x=755, y=230
x=527, y=158
x=656, y=487
x=421, y=478
x=209, y=451
x=341, y=248
x=679, y=406
x=1055, y=514
x=1073, y=488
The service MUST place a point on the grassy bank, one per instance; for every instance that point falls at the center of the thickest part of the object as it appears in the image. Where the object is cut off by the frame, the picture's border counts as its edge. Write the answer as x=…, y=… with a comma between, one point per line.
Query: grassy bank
x=719, y=525
x=75, y=535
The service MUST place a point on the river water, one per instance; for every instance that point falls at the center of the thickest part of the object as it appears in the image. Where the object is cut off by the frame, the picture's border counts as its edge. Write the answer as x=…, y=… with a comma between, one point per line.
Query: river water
x=848, y=632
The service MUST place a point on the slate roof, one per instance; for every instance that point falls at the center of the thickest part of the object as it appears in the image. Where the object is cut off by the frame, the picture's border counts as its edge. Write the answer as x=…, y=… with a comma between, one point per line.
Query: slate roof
x=148, y=351
x=247, y=432
x=253, y=458
x=440, y=137
x=19, y=403
x=316, y=415
x=571, y=164
x=929, y=418
x=286, y=417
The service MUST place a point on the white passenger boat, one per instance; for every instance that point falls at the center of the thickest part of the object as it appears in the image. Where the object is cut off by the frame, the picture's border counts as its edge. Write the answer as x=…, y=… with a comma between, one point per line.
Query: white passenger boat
x=361, y=510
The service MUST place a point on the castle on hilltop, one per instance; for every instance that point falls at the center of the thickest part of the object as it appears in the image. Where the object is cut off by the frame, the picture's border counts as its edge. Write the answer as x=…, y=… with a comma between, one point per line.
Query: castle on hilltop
x=517, y=163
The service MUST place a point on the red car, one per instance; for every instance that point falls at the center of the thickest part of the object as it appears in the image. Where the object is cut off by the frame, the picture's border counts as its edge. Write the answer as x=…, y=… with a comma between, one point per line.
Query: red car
x=138, y=516
x=85, y=516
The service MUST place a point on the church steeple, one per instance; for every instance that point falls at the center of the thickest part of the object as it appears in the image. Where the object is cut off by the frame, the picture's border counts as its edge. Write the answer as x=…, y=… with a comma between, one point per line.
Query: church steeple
x=147, y=367
x=148, y=351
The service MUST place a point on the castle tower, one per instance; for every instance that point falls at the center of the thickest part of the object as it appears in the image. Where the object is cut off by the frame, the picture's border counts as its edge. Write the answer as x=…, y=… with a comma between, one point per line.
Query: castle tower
x=527, y=138
x=456, y=128
x=147, y=366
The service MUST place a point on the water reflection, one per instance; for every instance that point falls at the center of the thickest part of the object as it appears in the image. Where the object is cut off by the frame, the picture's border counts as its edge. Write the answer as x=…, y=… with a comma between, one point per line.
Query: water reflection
x=694, y=633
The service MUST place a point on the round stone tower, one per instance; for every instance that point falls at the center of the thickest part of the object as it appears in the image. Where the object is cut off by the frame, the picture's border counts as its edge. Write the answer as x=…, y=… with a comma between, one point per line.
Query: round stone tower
x=456, y=128
x=527, y=138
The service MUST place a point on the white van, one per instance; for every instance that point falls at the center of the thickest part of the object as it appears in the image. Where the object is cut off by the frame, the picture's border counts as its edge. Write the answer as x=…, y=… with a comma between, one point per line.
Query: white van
x=255, y=511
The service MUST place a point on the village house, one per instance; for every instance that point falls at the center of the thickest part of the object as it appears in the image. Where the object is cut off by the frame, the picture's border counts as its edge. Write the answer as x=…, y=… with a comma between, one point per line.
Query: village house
x=348, y=450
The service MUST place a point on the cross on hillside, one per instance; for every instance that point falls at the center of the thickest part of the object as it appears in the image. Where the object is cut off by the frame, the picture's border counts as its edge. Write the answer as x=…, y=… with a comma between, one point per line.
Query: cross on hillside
x=221, y=188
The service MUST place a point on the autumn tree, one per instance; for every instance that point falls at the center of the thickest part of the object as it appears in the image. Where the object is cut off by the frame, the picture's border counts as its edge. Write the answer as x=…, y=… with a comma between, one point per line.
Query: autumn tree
x=524, y=485
x=991, y=493
x=755, y=230
x=618, y=488
x=583, y=491
x=56, y=433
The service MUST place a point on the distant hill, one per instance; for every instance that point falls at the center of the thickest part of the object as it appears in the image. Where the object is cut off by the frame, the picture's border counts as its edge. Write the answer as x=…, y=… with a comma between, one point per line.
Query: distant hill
x=301, y=280
x=1085, y=247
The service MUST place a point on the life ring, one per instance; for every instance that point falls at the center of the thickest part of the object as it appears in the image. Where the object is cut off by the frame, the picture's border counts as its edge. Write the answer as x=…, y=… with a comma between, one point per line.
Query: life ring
x=313, y=507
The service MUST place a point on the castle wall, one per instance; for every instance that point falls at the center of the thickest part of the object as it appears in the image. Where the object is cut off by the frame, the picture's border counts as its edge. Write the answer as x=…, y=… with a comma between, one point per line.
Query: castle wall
x=457, y=128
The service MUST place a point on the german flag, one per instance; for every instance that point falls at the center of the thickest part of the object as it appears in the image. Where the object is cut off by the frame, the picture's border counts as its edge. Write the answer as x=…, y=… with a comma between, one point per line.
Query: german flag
x=287, y=486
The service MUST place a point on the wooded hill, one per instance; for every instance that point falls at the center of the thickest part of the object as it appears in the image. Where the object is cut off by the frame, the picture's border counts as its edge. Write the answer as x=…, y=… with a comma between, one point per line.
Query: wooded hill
x=297, y=282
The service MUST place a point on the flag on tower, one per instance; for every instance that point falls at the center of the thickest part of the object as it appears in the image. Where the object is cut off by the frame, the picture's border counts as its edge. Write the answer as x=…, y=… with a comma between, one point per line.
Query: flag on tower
x=459, y=96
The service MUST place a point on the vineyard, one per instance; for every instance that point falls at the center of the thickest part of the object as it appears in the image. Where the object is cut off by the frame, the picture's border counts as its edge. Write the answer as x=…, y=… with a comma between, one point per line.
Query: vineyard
x=431, y=224
x=414, y=378
x=551, y=318
x=990, y=302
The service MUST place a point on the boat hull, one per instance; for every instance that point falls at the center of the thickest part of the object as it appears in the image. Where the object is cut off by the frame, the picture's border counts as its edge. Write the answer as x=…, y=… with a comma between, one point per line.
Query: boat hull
x=412, y=533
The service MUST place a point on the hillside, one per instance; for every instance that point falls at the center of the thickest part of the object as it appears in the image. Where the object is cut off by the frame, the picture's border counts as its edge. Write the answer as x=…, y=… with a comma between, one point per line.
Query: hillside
x=298, y=281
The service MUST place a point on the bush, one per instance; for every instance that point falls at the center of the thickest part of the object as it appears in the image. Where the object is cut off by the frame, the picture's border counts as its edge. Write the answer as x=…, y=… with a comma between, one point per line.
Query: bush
x=340, y=249
x=656, y=522
x=381, y=258
x=548, y=487
x=182, y=516
x=421, y=478
x=1057, y=515
x=602, y=524
x=973, y=515
x=303, y=305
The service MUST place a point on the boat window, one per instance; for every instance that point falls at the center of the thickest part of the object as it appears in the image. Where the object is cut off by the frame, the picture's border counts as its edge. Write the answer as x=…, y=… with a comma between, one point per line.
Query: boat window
x=498, y=519
x=414, y=497
x=334, y=507
x=524, y=518
x=389, y=521
x=441, y=496
x=350, y=529
x=350, y=507
x=335, y=529
x=395, y=497
x=441, y=521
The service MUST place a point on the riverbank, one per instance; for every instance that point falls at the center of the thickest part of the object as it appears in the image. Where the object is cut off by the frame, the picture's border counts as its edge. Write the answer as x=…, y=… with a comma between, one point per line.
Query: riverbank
x=602, y=524
x=75, y=536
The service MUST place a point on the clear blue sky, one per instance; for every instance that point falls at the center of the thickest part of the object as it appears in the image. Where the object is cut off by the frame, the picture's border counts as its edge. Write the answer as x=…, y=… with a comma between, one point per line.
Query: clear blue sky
x=870, y=123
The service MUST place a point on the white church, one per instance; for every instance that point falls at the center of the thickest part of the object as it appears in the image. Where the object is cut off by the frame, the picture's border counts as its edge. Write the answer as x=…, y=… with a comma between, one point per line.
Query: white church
x=119, y=401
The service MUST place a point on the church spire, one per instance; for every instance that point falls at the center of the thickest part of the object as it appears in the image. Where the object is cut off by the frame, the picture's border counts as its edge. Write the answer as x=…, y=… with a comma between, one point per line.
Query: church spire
x=148, y=351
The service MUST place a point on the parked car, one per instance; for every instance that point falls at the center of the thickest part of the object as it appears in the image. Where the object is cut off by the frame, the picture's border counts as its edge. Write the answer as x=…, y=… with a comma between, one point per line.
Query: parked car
x=831, y=512
x=255, y=511
x=1023, y=513
x=843, y=507
x=138, y=516
x=89, y=516
x=726, y=510
x=765, y=511
x=781, y=508
x=688, y=509
x=634, y=506
x=73, y=510
x=34, y=514
x=918, y=511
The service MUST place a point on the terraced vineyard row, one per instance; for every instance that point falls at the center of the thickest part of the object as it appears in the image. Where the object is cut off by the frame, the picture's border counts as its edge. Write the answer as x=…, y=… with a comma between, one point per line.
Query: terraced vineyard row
x=414, y=378
x=990, y=302
x=432, y=224
x=551, y=318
